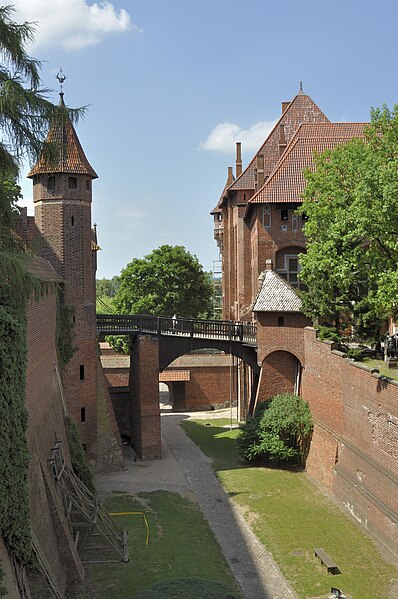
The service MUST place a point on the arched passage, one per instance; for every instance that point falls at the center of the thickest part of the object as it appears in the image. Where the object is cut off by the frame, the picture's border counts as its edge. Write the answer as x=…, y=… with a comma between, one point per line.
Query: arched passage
x=280, y=373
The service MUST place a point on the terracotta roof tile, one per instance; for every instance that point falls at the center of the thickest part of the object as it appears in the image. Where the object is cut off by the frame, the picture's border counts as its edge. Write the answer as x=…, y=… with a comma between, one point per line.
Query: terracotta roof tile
x=302, y=109
x=276, y=295
x=287, y=182
x=72, y=157
x=168, y=376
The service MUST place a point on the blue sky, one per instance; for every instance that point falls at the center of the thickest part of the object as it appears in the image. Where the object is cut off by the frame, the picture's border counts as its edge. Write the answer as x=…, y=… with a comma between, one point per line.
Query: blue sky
x=173, y=84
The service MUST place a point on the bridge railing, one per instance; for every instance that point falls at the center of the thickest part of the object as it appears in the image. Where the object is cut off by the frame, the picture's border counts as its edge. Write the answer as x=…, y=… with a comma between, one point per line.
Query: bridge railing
x=110, y=324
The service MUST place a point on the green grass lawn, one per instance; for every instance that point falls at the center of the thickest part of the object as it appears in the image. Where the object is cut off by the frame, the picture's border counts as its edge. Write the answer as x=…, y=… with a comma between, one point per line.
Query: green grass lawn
x=291, y=516
x=181, y=545
x=392, y=373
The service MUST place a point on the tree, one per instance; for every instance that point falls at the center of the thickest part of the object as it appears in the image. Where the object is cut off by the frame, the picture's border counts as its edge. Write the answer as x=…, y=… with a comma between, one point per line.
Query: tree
x=279, y=431
x=167, y=281
x=25, y=115
x=351, y=201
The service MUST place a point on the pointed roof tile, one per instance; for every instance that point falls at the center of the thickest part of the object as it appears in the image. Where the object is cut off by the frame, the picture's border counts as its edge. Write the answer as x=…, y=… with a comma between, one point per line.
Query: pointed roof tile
x=287, y=182
x=276, y=295
x=302, y=109
x=72, y=158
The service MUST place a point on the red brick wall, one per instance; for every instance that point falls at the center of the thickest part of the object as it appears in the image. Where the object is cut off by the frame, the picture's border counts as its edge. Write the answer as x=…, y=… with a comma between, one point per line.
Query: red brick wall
x=354, y=448
x=45, y=426
x=144, y=385
x=277, y=376
x=63, y=220
x=289, y=337
x=209, y=384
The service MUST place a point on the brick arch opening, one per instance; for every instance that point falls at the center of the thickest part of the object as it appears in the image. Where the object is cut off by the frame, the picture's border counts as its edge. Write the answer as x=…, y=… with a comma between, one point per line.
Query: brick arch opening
x=280, y=373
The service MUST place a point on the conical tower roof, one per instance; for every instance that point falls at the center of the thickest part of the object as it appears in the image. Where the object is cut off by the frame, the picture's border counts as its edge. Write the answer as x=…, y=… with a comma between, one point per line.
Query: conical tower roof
x=71, y=159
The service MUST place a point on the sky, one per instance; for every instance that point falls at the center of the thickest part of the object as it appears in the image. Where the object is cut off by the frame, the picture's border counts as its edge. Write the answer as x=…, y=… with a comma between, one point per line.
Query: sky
x=171, y=85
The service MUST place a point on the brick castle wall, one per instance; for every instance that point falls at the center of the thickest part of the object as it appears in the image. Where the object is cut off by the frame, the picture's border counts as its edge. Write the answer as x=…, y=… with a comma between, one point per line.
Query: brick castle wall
x=44, y=405
x=354, y=447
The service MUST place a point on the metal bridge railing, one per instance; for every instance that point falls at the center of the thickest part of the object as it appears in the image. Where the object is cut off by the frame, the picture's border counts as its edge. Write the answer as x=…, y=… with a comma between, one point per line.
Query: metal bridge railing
x=232, y=330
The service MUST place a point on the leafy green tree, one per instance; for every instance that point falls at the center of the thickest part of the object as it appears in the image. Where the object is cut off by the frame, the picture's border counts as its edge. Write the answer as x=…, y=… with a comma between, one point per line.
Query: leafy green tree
x=107, y=287
x=351, y=200
x=279, y=431
x=167, y=281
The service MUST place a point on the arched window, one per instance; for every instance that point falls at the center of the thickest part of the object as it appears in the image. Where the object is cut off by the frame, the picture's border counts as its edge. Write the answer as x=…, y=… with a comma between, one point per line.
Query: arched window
x=51, y=182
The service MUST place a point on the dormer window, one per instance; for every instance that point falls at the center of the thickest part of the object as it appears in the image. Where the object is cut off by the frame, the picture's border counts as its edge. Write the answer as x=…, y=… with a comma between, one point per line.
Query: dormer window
x=51, y=183
x=72, y=183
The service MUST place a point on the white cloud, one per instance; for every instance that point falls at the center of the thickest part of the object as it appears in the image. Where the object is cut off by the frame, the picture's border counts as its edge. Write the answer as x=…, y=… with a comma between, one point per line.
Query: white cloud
x=72, y=24
x=225, y=135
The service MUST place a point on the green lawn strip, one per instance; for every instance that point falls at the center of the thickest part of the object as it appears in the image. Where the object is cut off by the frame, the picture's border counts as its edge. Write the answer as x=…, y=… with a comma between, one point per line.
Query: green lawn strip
x=392, y=373
x=291, y=517
x=180, y=545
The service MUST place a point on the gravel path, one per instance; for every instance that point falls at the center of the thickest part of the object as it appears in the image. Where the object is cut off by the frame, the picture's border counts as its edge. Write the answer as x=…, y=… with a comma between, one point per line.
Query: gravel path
x=184, y=469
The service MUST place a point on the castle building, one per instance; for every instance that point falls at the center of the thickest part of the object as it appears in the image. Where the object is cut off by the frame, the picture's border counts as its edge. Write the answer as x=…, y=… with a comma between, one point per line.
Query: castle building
x=62, y=195
x=256, y=218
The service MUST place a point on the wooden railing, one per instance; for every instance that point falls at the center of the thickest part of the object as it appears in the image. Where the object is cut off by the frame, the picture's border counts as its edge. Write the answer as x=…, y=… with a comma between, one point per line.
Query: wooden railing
x=229, y=330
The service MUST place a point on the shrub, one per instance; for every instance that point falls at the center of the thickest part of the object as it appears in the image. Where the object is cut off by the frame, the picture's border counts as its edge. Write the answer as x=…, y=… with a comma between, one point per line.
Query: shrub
x=278, y=432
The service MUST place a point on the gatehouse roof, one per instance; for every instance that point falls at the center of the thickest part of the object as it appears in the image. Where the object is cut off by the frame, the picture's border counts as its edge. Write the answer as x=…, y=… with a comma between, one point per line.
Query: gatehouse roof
x=276, y=295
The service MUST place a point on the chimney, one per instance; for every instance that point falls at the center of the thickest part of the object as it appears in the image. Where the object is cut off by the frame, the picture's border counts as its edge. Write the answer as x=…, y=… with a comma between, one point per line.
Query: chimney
x=230, y=178
x=282, y=139
x=268, y=264
x=238, y=159
x=285, y=106
x=259, y=172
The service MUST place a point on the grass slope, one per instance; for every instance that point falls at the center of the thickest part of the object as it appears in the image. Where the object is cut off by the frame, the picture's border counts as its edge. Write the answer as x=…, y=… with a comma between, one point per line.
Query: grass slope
x=180, y=545
x=291, y=516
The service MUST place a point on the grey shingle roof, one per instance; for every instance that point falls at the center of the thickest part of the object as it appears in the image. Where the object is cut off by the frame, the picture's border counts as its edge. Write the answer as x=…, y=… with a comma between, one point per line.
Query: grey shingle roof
x=276, y=295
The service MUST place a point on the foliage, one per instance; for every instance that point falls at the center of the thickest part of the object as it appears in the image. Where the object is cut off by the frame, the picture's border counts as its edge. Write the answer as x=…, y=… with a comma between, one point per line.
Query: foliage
x=195, y=588
x=290, y=516
x=351, y=201
x=14, y=497
x=3, y=590
x=330, y=333
x=168, y=281
x=279, y=432
x=107, y=287
x=65, y=347
x=25, y=113
x=77, y=454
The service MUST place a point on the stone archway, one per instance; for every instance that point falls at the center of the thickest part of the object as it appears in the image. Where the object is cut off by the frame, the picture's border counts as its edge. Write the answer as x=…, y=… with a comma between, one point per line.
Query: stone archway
x=280, y=373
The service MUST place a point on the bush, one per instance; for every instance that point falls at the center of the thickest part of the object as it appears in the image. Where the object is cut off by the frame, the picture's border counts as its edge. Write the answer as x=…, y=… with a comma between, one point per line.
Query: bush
x=181, y=588
x=279, y=431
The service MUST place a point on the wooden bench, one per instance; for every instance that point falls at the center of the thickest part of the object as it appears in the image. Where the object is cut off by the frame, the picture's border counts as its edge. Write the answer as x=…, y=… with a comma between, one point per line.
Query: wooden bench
x=326, y=560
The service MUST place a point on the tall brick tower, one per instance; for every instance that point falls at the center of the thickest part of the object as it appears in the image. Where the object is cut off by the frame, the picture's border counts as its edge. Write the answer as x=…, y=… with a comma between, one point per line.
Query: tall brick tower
x=62, y=195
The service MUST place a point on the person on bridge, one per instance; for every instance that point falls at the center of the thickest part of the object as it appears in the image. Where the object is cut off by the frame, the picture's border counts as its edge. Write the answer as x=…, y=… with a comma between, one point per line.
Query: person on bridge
x=174, y=321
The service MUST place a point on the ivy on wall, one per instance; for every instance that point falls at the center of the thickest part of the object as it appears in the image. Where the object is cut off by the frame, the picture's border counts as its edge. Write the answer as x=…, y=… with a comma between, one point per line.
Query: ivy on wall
x=65, y=347
x=14, y=495
x=78, y=457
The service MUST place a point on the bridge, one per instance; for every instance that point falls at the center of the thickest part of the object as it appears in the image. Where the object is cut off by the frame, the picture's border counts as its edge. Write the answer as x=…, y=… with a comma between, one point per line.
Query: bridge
x=156, y=341
x=212, y=330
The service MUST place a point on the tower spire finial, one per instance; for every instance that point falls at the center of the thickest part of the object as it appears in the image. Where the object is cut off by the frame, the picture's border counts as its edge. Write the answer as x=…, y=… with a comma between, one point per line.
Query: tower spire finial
x=61, y=78
x=301, y=93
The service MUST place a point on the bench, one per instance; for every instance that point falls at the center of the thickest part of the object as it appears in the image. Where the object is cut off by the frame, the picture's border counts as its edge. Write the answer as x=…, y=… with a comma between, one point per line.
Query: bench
x=326, y=560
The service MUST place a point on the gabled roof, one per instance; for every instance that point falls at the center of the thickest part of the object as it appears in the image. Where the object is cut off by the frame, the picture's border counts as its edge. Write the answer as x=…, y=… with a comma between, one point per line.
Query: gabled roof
x=230, y=180
x=276, y=295
x=302, y=109
x=72, y=158
x=287, y=182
